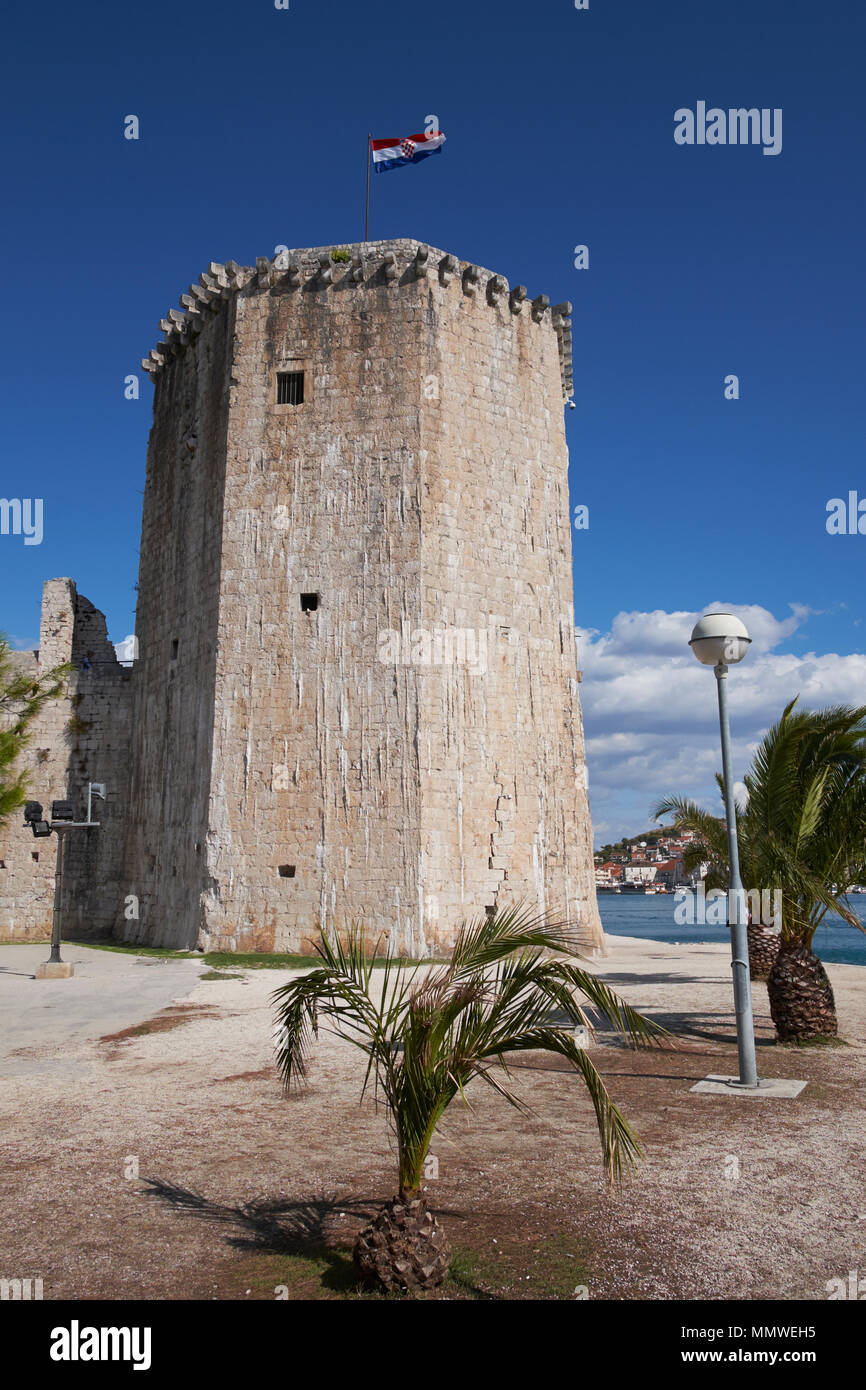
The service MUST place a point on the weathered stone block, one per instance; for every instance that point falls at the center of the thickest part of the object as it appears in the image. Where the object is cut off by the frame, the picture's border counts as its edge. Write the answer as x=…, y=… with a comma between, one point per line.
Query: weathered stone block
x=55, y=970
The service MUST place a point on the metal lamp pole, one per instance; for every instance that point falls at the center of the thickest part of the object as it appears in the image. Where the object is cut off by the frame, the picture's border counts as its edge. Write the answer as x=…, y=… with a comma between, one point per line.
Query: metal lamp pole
x=720, y=640
x=54, y=958
x=736, y=904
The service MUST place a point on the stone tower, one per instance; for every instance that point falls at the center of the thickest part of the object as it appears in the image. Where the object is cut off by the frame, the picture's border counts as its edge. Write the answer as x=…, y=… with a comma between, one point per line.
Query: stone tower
x=356, y=696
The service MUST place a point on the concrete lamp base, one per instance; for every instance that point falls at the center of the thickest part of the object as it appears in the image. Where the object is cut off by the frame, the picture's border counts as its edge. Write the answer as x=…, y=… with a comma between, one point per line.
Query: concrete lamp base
x=55, y=970
x=767, y=1088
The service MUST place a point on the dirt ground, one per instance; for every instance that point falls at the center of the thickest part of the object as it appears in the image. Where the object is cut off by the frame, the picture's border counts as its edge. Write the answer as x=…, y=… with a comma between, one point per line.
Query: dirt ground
x=160, y=1159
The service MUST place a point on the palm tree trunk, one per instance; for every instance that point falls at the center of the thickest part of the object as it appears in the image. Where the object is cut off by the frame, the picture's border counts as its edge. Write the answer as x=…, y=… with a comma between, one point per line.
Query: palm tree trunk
x=801, y=996
x=403, y=1248
x=763, y=949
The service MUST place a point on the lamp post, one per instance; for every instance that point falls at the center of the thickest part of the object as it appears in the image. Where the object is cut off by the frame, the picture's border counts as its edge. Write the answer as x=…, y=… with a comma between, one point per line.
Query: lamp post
x=720, y=640
x=62, y=820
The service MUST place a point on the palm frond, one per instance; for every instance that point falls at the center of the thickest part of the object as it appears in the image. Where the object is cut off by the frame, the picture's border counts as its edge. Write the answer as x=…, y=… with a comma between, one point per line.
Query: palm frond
x=803, y=830
x=429, y=1032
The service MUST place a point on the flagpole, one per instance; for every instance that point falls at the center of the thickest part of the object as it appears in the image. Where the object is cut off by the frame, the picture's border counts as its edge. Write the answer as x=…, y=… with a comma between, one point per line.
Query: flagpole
x=367, y=215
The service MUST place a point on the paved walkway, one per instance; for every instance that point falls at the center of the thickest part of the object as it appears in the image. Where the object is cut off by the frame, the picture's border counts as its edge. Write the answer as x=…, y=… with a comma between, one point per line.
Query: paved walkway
x=171, y=1165
x=109, y=991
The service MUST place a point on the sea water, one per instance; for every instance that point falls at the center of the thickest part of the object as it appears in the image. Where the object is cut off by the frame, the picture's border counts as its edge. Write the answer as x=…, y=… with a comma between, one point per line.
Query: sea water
x=652, y=915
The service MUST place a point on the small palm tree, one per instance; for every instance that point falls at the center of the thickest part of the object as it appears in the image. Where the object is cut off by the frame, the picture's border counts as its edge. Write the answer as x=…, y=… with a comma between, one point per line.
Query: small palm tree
x=428, y=1031
x=802, y=833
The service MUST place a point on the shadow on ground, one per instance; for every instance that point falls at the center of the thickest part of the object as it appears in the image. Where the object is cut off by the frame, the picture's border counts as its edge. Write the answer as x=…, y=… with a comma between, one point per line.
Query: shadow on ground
x=625, y=977
x=318, y=1229
x=270, y=1223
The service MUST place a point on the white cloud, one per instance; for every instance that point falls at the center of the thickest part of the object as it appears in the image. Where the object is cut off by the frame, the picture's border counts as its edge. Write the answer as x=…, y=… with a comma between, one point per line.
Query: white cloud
x=127, y=650
x=651, y=715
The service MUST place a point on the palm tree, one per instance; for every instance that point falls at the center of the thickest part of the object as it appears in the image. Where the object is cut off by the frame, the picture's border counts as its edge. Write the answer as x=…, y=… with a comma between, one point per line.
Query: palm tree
x=803, y=833
x=428, y=1031
x=710, y=849
x=807, y=811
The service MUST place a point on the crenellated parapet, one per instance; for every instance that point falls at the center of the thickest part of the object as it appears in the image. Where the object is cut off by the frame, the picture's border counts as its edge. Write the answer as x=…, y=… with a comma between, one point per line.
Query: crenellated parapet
x=398, y=263
x=201, y=302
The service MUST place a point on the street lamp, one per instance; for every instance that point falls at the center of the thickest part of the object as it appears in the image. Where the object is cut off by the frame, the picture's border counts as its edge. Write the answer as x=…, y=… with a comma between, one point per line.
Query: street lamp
x=62, y=820
x=720, y=640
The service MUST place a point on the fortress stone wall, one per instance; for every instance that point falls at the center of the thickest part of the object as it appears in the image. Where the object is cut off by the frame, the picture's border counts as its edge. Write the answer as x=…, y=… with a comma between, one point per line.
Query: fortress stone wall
x=81, y=737
x=356, y=694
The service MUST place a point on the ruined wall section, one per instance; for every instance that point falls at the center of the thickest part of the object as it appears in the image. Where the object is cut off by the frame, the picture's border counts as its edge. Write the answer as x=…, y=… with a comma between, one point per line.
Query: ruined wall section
x=176, y=627
x=97, y=736
x=78, y=738
x=315, y=791
x=28, y=865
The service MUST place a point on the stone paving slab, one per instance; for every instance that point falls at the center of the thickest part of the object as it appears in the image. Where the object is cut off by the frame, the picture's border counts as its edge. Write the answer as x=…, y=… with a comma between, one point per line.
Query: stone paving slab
x=777, y=1087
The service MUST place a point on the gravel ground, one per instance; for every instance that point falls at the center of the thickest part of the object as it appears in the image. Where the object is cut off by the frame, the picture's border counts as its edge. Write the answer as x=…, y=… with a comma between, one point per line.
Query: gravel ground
x=148, y=1151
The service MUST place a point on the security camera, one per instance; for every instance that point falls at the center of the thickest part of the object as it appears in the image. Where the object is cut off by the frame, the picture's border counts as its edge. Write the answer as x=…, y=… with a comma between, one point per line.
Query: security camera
x=571, y=405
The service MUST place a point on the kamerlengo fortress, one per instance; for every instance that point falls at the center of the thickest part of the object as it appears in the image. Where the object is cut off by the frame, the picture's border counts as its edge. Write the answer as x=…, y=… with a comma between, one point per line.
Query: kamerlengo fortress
x=355, y=698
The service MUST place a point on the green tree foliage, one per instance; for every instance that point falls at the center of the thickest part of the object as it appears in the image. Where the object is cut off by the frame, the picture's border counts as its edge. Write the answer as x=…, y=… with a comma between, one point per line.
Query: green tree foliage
x=21, y=699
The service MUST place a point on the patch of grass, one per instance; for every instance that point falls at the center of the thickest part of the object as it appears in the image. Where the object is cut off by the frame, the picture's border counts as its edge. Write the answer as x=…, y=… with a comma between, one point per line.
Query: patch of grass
x=549, y=1267
x=123, y=948
x=260, y=960
x=800, y=1043
x=218, y=975
x=243, y=960
x=470, y=1274
x=340, y=254
x=322, y=1272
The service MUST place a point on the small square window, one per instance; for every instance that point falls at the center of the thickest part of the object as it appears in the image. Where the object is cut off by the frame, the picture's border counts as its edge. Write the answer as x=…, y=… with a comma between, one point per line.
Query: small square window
x=287, y=871
x=309, y=603
x=174, y=645
x=34, y=855
x=290, y=388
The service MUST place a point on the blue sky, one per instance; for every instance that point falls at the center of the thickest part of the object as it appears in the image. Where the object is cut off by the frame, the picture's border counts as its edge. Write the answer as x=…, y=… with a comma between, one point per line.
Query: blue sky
x=703, y=262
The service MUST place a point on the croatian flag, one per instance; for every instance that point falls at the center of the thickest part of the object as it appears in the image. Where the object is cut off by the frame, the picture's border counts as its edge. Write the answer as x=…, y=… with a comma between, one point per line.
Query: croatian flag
x=393, y=154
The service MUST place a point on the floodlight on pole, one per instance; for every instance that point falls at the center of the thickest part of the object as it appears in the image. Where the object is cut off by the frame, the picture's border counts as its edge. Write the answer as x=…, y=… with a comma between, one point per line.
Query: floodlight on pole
x=62, y=821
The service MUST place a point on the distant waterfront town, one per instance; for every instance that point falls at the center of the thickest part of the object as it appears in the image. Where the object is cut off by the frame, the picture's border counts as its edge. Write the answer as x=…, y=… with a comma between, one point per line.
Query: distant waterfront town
x=647, y=866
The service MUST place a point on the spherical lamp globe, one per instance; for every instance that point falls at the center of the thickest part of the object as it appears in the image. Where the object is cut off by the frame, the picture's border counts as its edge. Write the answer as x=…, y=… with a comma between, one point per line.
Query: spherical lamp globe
x=719, y=639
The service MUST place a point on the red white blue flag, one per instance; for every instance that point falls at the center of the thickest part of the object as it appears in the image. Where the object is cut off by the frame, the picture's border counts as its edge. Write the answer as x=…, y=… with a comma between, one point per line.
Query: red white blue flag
x=393, y=153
